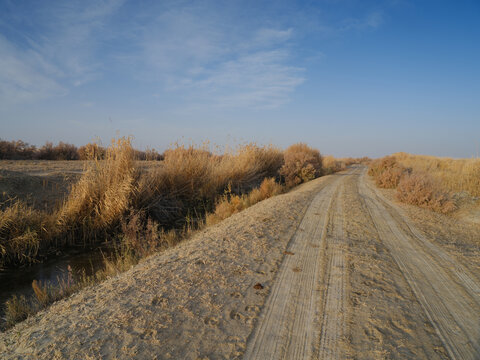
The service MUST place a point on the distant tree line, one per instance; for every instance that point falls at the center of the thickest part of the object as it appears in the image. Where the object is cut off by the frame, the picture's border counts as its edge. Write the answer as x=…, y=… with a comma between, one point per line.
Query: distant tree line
x=20, y=150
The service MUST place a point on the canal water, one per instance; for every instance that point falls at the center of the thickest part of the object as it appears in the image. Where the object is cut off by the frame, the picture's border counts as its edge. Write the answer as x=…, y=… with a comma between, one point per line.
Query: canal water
x=19, y=281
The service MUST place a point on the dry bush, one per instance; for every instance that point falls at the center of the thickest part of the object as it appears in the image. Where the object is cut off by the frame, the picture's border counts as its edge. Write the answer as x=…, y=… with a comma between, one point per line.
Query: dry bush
x=421, y=190
x=41, y=292
x=141, y=236
x=390, y=178
x=301, y=164
x=387, y=172
x=102, y=195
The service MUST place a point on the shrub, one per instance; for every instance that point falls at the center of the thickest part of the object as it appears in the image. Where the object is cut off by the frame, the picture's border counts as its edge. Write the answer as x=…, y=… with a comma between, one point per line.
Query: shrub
x=387, y=172
x=421, y=190
x=390, y=177
x=302, y=164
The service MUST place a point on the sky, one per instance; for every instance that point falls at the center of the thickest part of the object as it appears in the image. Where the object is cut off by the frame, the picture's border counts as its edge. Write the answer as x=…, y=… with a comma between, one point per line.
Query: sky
x=349, y=77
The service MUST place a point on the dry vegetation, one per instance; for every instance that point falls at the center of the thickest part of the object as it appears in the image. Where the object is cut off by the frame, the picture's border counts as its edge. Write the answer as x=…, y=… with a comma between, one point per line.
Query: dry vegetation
x=20, y=150
x=415, y=185
x=455, y=175
x=142, y=209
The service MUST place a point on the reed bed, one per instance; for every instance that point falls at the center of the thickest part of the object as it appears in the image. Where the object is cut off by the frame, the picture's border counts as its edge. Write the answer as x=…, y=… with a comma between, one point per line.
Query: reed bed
x=183, y=188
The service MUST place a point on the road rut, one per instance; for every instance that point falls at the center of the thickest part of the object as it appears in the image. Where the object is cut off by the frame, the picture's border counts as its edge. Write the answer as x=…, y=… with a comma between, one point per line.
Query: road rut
x=289, y=324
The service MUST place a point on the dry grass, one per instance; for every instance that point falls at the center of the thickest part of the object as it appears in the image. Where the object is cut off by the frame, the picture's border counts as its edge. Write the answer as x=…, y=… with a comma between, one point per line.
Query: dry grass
x=414, y=187
x=332, y=165
x=17, y=308
x=230, y=204
x=102, y=195
x=455, y=175
x=23, y=232
x=302, y=164
x=192, y=178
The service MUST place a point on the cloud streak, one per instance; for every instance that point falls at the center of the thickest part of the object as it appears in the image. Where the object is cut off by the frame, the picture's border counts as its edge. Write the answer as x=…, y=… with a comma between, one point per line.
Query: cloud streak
x=208, y=63
x=56, y=51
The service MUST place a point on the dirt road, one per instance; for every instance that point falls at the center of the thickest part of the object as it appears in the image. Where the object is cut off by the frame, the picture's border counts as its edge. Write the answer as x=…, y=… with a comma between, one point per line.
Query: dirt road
x=332, y=270
x=305, y=315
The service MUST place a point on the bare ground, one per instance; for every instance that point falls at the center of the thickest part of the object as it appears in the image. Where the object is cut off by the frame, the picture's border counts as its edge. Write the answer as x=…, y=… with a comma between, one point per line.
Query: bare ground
x=334, y=269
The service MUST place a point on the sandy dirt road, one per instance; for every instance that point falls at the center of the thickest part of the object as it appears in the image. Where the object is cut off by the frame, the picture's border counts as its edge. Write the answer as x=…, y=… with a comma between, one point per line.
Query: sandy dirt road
x=305, y=315
x=332, y=270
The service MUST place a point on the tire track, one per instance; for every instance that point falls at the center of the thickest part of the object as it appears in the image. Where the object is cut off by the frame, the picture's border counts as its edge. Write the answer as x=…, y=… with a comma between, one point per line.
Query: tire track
x=334, y=309
x=287, y=327
x=444, y=289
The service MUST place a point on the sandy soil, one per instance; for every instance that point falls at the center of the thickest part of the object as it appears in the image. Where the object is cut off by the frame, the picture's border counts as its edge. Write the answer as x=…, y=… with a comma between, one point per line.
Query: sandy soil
x=333, y=269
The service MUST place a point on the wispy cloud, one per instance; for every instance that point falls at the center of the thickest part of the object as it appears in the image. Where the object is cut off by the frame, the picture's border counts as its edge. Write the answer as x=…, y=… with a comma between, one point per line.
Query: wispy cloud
x=56, y=51
x=24, y=76
x=215, y=64
x=258, y=79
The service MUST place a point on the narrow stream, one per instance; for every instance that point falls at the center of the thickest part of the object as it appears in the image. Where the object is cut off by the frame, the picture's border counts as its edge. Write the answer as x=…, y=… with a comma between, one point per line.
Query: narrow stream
x=19, y=281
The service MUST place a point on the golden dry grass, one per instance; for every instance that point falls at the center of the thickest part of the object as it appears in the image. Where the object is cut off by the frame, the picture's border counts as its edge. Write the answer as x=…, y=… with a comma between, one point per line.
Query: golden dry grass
x=415, y=186
x=22, y=232
x=230, y=204
x=455, y=175
x=103, y=193
x=332, y=164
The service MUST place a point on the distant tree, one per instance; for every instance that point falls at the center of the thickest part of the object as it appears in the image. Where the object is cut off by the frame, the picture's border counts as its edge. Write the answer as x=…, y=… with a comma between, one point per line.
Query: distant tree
x=16, y=150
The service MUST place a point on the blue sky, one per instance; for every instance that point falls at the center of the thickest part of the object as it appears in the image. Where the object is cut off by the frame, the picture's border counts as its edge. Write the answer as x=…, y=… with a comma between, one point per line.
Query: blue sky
x=350, y=77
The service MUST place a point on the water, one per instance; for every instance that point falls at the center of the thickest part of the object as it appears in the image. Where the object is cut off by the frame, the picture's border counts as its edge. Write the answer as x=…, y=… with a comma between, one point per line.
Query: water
x=19, y=281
